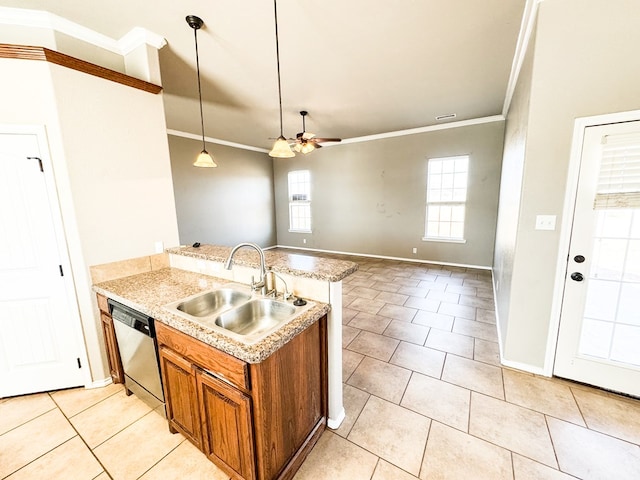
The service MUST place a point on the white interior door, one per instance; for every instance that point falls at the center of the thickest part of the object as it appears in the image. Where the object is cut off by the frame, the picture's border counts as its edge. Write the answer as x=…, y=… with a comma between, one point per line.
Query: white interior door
x=599, y=336
x=39, y=348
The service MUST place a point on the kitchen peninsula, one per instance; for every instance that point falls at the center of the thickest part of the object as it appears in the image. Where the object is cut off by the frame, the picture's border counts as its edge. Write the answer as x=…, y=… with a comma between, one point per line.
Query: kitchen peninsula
x=311, y=277
x=192, y=270
x=226, y=393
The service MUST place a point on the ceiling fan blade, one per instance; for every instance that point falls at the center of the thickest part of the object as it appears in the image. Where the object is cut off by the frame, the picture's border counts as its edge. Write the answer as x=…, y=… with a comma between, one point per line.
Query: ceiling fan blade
x=320, y=140
x=308, y=135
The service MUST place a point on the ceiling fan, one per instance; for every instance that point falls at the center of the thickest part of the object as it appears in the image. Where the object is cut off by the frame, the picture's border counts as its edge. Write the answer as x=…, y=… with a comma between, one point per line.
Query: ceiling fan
x=307, y=142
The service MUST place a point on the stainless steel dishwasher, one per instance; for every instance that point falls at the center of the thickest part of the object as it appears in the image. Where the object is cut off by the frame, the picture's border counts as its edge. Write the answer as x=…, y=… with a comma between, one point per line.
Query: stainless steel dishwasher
x=136, y=334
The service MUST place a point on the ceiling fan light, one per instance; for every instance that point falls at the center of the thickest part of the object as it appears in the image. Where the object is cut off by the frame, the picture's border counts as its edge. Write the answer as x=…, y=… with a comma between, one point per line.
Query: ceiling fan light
x=281, y=149
x=205, y=160
x=308, y=147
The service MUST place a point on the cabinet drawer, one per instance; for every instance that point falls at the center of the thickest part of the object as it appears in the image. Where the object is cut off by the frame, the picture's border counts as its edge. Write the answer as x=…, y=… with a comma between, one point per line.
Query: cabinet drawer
x=205, y=356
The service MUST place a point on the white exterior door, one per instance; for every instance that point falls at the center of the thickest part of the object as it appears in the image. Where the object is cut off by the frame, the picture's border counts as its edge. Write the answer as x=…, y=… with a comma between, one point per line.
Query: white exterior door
x=39, y=332
x=599, y=336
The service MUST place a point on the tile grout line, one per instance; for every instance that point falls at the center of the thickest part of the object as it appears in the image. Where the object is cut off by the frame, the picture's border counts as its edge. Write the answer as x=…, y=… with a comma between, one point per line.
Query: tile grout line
x=373, y=473
x=104, y=469
x=38, y=457
x=553, y=445
x=375, y=454
x=161, y=458
x=424, y=451
x=30, y=420
x=573, y=395
x=513, y=465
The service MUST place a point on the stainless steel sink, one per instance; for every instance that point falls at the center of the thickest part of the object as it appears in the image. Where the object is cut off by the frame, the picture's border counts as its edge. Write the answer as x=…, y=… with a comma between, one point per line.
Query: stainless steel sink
x=213, y=302
x=234, y=311
x=255, y=317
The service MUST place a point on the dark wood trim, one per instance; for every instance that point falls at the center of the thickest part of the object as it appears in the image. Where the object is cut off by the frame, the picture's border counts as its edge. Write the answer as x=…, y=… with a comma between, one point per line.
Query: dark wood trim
x=300, y=456
x=217, y=362
x=26, y=52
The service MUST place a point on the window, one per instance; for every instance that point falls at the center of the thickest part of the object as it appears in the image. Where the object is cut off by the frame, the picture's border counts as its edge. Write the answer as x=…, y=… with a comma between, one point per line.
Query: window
x=446, y=198
x=299, y=201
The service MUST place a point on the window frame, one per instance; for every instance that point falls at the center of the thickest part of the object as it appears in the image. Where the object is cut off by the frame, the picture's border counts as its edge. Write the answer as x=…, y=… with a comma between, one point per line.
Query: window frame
x=451, y=191
x=297, y=203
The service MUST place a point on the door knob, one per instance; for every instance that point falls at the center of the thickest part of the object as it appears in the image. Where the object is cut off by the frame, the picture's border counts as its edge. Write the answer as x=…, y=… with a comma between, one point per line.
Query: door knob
x=578, y=259
x=577, y=276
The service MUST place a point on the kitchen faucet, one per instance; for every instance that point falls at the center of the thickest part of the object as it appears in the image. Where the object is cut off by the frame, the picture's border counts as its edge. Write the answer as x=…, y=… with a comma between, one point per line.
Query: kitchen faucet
x=286, y=295
x=262, y=284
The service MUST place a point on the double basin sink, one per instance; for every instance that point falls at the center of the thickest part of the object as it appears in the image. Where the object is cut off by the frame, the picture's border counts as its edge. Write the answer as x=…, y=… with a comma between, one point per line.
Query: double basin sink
x=237, y=312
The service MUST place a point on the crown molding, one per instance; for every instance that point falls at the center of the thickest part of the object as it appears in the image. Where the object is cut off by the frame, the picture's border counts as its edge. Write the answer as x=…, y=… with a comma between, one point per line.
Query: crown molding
x=526, y=28
x=140, y=36
x=178, y=133
x=367, y=138
x=42, y=19
x=413, y=131
x=27, y=52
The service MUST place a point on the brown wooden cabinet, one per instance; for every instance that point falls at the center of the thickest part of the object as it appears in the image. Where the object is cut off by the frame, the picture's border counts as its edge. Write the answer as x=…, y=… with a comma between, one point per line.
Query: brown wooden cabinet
x=227, y=433
x=110, y=342
x=181, y=395
x=255, y=421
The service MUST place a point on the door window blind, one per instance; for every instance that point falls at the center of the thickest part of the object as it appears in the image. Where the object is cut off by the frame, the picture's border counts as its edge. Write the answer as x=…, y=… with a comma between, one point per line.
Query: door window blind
x=619, y=177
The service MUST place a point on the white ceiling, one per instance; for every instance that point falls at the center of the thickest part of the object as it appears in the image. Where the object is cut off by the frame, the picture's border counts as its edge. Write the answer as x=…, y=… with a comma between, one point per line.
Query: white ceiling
x=360, y=67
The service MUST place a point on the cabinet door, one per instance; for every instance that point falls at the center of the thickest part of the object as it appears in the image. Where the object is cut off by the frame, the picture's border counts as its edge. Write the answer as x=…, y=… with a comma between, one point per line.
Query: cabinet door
x=111, y=345
x=227, y=428
x=181, y=395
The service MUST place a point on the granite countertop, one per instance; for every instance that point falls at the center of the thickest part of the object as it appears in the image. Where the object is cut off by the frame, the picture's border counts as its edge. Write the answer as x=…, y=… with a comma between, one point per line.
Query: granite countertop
x=149, y=292
x=318, y=268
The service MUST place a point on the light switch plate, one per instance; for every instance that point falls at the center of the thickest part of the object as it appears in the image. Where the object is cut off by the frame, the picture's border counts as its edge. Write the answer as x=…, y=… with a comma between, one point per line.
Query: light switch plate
x=545, y=222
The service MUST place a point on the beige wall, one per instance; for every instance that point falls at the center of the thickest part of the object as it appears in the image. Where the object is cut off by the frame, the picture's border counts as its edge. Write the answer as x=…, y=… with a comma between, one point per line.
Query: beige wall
x=110, y=158
x=369, y=198
x=511, y=191
x=585, y=63
x=117, y=158
x=227, y=205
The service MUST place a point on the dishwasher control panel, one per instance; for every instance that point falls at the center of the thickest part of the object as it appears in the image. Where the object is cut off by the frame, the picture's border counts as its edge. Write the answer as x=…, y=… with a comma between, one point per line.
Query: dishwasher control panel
x=131, y=318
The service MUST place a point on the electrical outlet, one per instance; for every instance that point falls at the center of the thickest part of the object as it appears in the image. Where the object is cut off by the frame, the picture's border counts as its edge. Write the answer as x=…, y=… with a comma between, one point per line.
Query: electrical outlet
x=159, y=246
x=415, y=250
x=304, y=240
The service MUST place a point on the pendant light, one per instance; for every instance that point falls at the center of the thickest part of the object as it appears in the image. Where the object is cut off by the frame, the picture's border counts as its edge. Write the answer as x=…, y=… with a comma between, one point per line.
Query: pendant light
x=204, y=159
x=281, y=148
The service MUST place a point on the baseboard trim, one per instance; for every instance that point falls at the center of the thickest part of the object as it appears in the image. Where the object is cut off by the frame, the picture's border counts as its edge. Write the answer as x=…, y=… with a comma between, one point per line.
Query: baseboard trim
x=402, y=259
x=525, y=367
x=334, y=423
x=99, y=383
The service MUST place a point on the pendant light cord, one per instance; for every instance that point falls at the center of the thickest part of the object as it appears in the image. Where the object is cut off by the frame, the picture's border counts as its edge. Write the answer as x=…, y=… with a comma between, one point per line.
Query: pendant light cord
x=275, y=12
x=195, y=36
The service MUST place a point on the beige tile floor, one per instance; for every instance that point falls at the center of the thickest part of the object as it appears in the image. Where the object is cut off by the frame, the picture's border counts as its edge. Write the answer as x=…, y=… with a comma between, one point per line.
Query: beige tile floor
x=424, y=392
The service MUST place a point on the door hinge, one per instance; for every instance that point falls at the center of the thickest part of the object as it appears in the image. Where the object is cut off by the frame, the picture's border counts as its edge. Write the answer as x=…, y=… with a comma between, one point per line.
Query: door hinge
x=39, y=161
x=79, y=364
x=61, y=272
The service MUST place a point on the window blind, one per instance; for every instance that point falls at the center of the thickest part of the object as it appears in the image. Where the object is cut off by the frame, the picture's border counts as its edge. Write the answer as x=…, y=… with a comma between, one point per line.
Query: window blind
x=619, y=177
